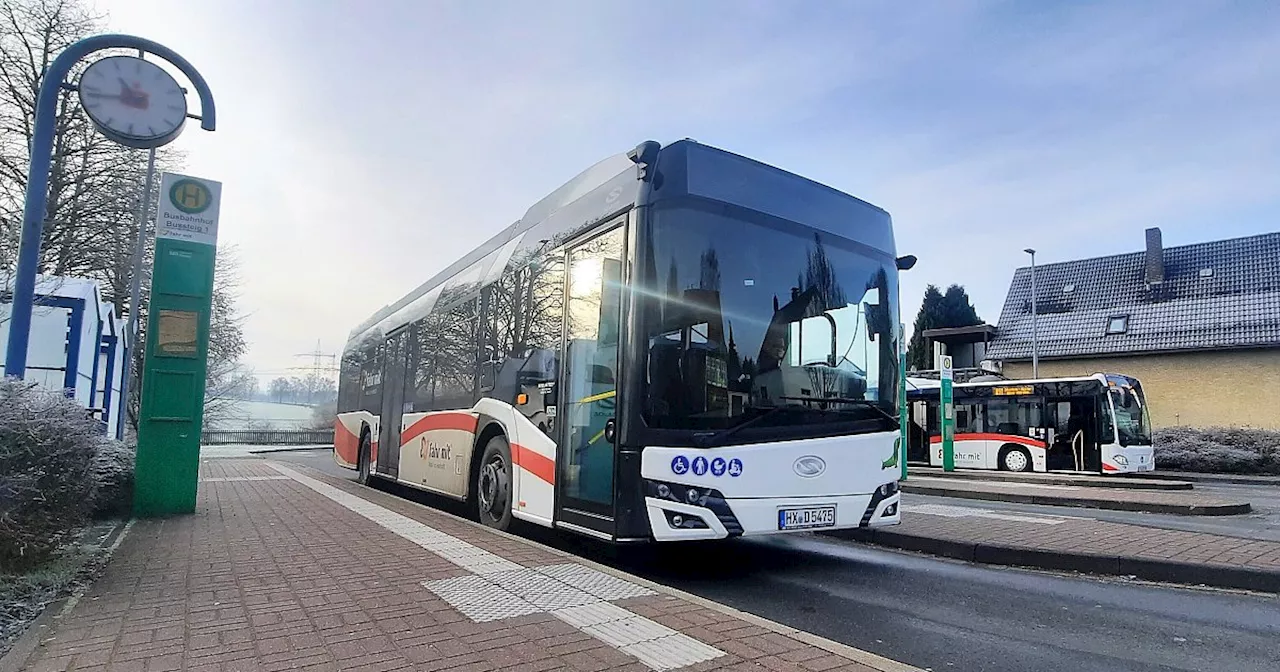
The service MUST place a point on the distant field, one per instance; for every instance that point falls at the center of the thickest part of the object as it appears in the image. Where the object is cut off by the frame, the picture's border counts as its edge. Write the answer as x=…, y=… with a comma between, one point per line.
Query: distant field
x=256, y=414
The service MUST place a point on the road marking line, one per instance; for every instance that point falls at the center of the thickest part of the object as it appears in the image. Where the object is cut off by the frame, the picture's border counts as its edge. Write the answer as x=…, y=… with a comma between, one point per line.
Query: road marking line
x=945, y=511
x=960, y=484
x=498, y=588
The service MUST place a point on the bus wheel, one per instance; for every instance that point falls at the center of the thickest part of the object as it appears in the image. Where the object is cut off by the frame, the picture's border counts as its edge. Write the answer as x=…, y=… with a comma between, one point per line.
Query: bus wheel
x=1015, y=458
x=493, y=484
x=362, y=460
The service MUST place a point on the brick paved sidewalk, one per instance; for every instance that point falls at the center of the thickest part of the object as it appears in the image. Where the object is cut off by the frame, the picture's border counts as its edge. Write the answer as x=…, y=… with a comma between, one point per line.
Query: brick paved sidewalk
x=1185, y=502
x=286, y=569
x=1064, y=542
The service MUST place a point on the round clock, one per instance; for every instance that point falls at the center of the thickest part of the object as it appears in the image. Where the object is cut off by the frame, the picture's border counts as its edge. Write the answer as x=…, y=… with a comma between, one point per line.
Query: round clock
x=133, y=101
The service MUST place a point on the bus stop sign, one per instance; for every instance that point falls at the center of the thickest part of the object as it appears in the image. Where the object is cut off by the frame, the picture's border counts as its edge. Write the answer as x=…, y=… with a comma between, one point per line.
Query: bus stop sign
x=177, y=342
x=948, y=418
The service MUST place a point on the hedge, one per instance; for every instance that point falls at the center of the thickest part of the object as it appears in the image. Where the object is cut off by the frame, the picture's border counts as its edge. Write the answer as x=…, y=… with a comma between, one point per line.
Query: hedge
x=56, y=471
x=1223, y=450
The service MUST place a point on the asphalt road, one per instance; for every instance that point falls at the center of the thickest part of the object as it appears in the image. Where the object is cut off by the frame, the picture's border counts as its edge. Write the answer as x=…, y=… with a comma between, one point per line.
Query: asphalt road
x=940, y=614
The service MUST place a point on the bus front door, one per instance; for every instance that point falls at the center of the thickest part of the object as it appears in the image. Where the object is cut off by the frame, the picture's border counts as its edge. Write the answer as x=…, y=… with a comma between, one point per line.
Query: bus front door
x=585, y=453
x=393, y=375
x=1074, y=444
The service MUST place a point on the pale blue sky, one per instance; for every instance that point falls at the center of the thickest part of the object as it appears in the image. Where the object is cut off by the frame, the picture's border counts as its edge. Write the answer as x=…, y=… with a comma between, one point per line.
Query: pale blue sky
x=364, y=145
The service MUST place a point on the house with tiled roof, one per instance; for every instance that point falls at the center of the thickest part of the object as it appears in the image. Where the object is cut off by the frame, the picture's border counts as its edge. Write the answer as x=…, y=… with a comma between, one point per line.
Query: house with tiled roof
x=1198, y=325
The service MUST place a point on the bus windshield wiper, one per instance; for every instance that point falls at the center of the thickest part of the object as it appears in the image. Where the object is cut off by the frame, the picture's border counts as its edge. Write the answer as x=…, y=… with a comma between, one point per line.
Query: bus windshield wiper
x=867, y=403
x=711, y=440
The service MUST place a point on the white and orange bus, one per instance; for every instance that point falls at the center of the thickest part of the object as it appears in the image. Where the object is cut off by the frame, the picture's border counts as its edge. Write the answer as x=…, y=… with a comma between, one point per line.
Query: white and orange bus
x=1094, y=424
x=679, y=343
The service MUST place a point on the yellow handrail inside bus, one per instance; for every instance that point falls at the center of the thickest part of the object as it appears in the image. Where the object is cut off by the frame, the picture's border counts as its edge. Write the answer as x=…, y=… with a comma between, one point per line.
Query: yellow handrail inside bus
x=598, y=397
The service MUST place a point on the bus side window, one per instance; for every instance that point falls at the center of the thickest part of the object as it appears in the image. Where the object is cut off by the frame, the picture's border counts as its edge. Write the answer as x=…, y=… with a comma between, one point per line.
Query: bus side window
x=968, y=418
x=1001, y=418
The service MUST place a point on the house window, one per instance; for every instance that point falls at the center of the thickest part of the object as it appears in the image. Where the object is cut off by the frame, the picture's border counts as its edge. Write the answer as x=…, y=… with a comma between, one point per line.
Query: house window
x=1118, y=324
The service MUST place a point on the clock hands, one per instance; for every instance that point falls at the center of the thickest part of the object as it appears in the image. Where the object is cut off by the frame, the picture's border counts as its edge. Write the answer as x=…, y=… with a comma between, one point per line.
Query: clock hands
x=132, y=96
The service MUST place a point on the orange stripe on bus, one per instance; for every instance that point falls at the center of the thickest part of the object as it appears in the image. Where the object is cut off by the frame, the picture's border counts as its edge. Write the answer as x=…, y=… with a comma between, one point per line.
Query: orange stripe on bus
x=535, y=463
x=1008, y=438
x=346, y=444
x=459, y=421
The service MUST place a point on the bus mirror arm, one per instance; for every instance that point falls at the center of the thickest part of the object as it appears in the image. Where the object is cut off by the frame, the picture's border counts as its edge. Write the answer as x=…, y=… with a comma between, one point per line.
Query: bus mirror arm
x=645, y=155
x=831, y=358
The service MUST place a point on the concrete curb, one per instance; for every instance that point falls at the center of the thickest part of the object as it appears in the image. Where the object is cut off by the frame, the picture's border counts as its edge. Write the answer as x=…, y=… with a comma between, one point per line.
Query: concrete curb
x=871, y=660
x=1228, y=509
x=1118, y=482
x=1233, y=479
x=1218, y=576
x=286, y=449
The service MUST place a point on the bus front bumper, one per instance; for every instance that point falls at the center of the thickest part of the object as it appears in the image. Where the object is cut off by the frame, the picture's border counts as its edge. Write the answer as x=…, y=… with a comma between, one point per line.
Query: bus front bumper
x=1129, y=460
x=676, y=516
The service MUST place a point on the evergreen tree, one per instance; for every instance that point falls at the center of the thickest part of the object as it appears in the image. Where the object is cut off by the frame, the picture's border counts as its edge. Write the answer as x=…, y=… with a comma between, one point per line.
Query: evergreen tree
x=938, y=311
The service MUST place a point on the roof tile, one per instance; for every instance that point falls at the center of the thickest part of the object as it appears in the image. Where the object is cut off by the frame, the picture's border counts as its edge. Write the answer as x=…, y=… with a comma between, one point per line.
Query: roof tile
x=1235, y=304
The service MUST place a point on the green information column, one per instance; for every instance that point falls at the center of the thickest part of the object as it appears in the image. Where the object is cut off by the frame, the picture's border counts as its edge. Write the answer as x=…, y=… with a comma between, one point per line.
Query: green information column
x=948, y=419
x=177, y=342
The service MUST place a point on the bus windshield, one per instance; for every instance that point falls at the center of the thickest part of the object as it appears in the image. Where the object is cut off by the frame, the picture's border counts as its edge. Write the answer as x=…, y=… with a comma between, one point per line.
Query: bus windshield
x=1133, y=421
x=746, y=316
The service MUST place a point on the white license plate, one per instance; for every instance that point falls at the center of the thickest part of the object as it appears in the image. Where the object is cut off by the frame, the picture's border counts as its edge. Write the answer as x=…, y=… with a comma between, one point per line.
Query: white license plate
x=801, y=519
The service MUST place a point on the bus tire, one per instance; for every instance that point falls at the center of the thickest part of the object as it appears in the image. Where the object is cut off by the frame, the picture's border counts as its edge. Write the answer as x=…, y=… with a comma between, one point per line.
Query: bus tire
x=363, y=458
x=493, y=484
x=1015, y=458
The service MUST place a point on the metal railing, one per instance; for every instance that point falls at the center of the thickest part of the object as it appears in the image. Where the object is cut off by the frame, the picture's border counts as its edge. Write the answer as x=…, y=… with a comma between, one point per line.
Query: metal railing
x=267, y=437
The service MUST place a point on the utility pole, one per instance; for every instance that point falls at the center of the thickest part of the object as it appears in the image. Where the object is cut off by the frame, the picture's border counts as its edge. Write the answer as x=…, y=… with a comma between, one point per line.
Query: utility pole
x=324, y=366
x=1035, y=336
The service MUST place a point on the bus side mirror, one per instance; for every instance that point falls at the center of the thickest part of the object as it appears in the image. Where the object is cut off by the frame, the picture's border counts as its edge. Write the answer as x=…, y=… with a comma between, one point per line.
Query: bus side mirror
x=906, y=262
x=645, y=155
x=488, y=376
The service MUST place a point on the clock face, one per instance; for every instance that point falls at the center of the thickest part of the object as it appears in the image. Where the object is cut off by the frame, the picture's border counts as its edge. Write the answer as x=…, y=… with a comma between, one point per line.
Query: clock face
x=133, y=101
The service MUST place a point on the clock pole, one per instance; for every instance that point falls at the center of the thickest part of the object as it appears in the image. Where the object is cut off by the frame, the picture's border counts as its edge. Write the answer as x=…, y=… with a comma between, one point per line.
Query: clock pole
x=33, y=213
x=135, y=286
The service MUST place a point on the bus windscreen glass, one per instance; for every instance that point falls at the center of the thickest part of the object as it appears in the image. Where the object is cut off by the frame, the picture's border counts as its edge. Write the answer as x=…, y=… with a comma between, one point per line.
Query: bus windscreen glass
x=1133, y=421
x=746, y=315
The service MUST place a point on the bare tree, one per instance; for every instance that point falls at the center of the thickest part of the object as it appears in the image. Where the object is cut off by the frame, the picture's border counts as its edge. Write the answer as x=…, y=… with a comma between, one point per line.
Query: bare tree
x=93, y=182
x=225, y=381
x=90, y=225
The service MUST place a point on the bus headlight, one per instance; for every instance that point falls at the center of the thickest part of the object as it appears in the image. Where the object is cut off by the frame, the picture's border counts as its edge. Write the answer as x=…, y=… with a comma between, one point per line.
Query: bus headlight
x=888, y=489
x=679, y=521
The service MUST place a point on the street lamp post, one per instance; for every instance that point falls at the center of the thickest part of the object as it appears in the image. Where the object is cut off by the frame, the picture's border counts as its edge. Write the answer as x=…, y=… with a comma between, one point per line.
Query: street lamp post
x=1035, y=336
x=33, y=213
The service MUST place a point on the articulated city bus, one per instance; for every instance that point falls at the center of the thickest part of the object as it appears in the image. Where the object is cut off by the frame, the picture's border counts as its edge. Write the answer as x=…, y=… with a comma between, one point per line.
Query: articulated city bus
x=1096, y=424
x=679, y=343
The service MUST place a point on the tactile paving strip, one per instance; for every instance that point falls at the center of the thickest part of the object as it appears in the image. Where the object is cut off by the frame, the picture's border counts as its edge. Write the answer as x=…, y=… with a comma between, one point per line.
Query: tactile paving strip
x=499, y=588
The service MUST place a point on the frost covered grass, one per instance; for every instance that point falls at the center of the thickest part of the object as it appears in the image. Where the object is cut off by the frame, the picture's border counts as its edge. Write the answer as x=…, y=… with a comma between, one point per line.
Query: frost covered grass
x=23, y=596
x=1218, y=450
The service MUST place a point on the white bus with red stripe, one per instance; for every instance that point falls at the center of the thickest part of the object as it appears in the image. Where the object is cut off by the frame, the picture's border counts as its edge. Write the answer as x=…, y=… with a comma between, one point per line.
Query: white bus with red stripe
x=1090, y=424
x=679, y=343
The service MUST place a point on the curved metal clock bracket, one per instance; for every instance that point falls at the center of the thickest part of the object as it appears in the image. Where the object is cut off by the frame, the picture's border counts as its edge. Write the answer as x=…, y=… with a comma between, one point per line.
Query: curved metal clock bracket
x=62, y=65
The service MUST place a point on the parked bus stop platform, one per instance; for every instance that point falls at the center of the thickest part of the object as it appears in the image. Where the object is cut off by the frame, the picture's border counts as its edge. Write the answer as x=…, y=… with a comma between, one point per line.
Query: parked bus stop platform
x=1182, y=502
x=284, y=568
